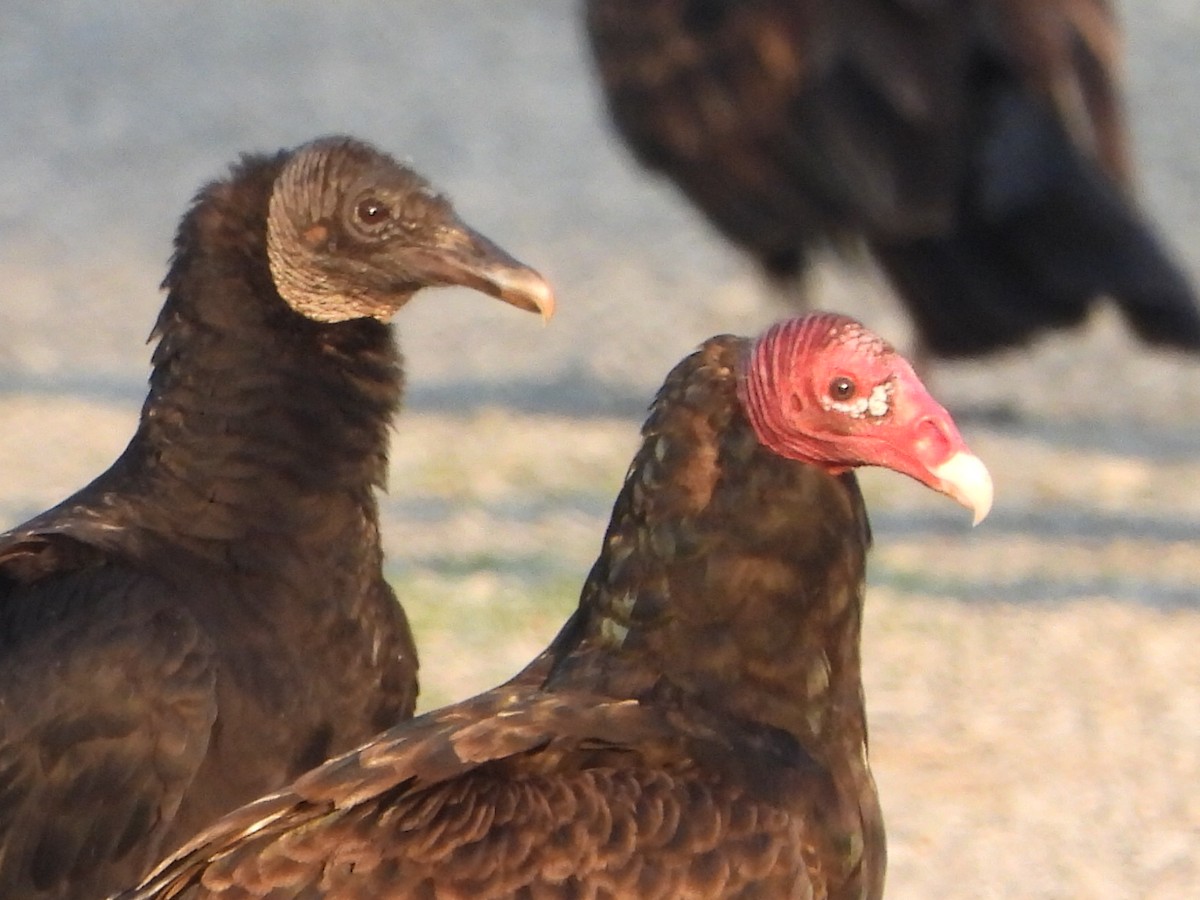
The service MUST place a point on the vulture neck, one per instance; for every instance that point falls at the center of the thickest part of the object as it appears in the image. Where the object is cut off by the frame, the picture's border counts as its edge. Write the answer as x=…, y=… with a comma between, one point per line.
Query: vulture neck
x=729, y=577
x=258, y=419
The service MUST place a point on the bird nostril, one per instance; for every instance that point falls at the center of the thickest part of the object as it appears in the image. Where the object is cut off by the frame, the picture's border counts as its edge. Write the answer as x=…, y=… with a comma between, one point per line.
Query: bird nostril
x=933, y=444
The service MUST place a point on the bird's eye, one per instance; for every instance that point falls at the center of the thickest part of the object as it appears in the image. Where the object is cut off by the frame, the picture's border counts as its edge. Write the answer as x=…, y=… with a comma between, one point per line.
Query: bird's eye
x=842, y=388
x=372, y=211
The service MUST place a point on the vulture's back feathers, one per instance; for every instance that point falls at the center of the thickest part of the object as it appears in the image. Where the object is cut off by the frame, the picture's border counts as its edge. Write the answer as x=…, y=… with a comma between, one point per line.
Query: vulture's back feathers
x=978, y=148
x=518, y=791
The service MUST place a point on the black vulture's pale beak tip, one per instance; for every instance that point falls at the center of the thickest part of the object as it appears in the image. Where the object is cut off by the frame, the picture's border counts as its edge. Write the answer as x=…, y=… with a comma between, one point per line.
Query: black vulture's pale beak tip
x=526, y=289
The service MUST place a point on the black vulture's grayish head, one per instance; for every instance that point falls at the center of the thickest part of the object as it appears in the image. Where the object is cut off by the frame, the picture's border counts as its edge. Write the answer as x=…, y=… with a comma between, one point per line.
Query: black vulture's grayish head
x=351, y=233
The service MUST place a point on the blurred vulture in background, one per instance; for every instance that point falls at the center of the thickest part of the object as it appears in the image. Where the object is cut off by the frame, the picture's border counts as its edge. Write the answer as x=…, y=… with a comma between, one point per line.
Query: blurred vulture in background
x=976, y=147
x=209, y=618
x=697, y=729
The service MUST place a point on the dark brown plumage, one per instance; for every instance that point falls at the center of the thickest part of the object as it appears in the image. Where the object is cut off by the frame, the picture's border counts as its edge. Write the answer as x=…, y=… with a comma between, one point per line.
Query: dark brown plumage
x=978, y=148
x=208, y=618
x=697, y=728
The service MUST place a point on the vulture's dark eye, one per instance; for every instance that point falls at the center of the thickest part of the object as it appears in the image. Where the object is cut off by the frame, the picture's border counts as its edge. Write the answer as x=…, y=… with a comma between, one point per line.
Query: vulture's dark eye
x=842, y=388
x=372, y=211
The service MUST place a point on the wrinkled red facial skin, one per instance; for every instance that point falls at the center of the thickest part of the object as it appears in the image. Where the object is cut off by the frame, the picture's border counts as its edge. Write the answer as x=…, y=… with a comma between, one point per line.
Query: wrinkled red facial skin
x=786, y=388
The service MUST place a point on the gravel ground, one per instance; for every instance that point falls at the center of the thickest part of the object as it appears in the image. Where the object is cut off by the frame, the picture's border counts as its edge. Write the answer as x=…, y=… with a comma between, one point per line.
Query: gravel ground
x=1034, y=686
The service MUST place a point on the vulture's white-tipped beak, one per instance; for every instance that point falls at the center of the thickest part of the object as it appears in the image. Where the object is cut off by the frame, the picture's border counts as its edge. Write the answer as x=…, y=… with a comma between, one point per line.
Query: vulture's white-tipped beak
x=965, y=478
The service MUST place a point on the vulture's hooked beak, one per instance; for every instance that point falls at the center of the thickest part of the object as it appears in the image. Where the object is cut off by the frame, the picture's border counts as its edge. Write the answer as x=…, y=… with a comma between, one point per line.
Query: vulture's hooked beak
x=935, y=452
x=965, y=478
x=463, y=257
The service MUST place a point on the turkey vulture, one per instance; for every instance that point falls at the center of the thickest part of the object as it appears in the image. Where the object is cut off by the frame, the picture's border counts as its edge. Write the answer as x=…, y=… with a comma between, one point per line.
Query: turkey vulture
x=976, y=147
x=208, y=618
x=697, y=728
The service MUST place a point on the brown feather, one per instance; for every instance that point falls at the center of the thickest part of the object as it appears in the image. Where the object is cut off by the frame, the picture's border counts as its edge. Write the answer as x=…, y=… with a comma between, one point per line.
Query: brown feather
x=977, y=147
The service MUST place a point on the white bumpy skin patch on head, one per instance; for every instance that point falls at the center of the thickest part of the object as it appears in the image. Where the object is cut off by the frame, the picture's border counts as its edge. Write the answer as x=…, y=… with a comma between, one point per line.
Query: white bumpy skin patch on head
x=876, y=405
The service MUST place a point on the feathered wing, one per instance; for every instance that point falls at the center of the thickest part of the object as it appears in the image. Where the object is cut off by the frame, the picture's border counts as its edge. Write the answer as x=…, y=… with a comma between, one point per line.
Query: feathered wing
x=1044, y=223
x=108, y=701
x=517, y=791
x=787, y=121
x=979, y=148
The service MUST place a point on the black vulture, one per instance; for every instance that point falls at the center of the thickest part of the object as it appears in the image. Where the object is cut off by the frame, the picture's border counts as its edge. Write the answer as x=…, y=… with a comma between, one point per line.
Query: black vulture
x=697, y=729
x=977, y=148
x=208, y=618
